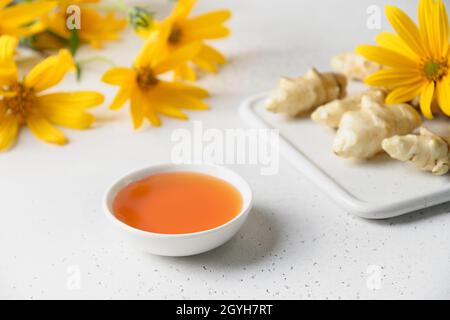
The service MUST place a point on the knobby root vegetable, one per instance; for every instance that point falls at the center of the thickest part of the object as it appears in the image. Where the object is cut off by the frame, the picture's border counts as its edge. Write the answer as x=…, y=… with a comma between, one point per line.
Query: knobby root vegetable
x=427, y=151
x=296, y=96
x=331, y=113
x=354, y=66
x=361, y=133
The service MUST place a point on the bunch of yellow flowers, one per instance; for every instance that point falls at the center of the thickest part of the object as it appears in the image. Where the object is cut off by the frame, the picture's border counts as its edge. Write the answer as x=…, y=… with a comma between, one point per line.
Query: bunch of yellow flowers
x=172, y=45
x=176, y=44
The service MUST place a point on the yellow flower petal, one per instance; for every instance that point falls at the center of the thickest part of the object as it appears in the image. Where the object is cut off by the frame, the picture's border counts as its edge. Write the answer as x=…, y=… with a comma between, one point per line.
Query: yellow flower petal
x=69, y=117
x=434, y=27
x=385, y=57
x=44, y=130
x=139, y=103
x=119, y=76
x=443, y=28
x=7, y=77
x=406, y=29
x=25, y=30
x=67, y=109
x=426, y=26
x=208, y=20
x=24, y=13
x=172, y=112
x=425, y=100
x=392, y=78
x=405, y=94
x=216, y=32
x=49, y=72
x=173, y=87
x=395, y=43
x=9, y=128
x=8, y=93
x=71, y=100
x=153, y=117
x=177, y=57
x=179, y=100
x=443, y=95
x=205, y=65
x=210, y=54
x=121, y=97
x=185, y=72
x=8, y=69
x=182, y=9
x=8, y=46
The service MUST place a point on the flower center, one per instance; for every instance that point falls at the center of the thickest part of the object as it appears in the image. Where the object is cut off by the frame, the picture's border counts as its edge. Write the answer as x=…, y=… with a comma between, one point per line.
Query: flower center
x=21, y=103
x=435, y=70
x=146, y=79
x=175, y=35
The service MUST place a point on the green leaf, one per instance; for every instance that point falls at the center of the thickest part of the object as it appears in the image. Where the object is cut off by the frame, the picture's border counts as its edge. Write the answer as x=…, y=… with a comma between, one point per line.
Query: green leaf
x=73, y=42
x=78, y=71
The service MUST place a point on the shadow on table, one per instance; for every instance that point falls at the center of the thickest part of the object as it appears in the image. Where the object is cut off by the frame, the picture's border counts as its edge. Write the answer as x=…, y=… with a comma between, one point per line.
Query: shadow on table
x=255, y=241
x=417, y=216
x=104, y=118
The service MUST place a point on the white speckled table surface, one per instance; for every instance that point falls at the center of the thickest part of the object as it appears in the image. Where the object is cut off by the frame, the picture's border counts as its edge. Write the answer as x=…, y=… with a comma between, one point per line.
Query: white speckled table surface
x=296, y=243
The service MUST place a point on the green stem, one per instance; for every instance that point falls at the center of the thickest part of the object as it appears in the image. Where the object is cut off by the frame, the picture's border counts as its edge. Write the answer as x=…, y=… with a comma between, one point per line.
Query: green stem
x=79, y=64
x=95, y=59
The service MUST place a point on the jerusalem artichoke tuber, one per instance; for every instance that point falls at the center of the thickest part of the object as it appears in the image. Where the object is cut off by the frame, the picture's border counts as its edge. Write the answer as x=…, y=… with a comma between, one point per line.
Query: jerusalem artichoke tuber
x=427, y=151
x=295, y=96
x=331, y=113
x=354, y=66
x=362, y=132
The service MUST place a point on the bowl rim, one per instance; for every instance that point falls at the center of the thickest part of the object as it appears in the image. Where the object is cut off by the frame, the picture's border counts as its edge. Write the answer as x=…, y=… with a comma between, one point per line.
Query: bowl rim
x=108, y=196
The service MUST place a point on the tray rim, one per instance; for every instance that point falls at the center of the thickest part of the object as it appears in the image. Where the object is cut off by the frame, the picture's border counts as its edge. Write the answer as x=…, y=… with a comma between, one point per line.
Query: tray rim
x=323, y=181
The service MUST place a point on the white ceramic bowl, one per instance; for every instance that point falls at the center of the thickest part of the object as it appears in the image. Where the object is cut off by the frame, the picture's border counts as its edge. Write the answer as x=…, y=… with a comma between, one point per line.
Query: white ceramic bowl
x=181, y=244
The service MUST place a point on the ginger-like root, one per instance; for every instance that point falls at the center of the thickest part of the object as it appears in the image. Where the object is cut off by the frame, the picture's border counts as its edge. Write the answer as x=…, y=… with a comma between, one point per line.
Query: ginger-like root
x=361, y=133
x=296, y=96
x=427, y=151
x=331, y=113
x=354, y=66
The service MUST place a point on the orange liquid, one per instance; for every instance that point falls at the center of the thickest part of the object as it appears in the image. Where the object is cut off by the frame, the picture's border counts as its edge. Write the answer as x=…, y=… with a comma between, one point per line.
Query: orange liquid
x=177, y=202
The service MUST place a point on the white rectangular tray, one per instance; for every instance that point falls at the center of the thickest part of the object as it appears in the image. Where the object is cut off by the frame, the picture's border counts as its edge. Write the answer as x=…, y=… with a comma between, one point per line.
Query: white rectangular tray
x=375, y=189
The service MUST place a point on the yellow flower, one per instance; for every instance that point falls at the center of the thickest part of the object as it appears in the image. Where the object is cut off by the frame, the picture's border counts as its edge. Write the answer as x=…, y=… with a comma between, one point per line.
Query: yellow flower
x=24, y=103
x=148, y=94
x=417, y=57
x=179, y=29
x=95, y=28
x=20, y=20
